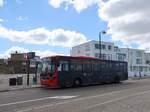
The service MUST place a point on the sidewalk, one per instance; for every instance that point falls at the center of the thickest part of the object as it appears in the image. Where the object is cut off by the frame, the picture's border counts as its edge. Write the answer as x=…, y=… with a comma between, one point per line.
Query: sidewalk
x=13, y=88
x=139, y=78
x=4, y=83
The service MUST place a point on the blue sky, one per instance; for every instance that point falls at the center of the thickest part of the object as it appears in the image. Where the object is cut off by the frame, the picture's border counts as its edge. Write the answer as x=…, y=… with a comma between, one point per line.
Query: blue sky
x=53, y=26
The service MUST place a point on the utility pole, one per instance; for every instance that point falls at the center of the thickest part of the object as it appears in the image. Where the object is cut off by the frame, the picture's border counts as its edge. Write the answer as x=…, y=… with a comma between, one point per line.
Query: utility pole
x=36, y=68
x=30, y=55
x=28, y=69
x=100, y=41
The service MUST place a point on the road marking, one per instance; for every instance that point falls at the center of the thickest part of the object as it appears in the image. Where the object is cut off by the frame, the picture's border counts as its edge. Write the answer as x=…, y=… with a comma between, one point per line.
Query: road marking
x=33, y=108
x=74, y=100
x=7, y=94
x=55, y=97
x=45, y=98
x=85, y=98
x=63, y=97
x=117, y=99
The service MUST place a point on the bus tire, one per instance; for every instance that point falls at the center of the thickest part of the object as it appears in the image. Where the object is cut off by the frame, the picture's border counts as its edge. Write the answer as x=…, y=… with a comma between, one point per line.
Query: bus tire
x=77, y=82
x=117, y=79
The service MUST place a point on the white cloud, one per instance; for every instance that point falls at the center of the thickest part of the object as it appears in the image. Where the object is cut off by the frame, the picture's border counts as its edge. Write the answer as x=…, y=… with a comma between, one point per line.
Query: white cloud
x=24, y=50
x=21, y=18
x=7, y=53
x=56, y=3
x=19, y=1
x=1, y=20
x=79, y=5
x=47, y=53
x=128, y=20
x=1, y=3
x=57, y=37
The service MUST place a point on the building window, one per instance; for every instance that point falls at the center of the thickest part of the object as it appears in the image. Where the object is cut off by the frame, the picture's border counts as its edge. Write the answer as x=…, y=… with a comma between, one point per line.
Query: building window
x=131, y=68
x=96, y=54
x=87, y=48
x=121, y=57
x=140, y=68
x=109, y=56
x=145, y=69
x=139, y=54
x=134, y=68
x=115, y=48
x=97, y=46
x=103, y=56
x=78, y=51
x=88, y=54
x=138, y=61
x=103, y=47
x=109, y=47
x=147, y=62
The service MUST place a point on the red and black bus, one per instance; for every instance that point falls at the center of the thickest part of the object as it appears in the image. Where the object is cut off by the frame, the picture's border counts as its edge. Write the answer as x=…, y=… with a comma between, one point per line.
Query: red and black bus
x=67, y=71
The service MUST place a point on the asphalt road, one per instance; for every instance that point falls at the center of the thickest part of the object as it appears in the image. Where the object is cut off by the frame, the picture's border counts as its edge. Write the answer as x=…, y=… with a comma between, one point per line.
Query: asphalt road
x=129, y=96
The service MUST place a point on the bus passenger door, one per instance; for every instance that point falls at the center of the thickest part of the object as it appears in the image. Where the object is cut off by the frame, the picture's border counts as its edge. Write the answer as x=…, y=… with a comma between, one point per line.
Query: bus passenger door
x=63, y=73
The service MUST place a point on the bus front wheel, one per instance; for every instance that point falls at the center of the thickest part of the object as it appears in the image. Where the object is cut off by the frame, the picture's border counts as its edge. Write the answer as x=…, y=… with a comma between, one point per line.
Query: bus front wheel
x=77, y=82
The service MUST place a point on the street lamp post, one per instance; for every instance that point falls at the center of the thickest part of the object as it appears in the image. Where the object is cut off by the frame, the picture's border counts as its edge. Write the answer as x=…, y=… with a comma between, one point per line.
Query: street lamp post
x=100, y=41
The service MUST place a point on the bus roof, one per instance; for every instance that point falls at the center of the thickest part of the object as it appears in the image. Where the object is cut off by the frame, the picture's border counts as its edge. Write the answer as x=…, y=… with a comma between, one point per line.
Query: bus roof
x=79, y=57
x=73, y=57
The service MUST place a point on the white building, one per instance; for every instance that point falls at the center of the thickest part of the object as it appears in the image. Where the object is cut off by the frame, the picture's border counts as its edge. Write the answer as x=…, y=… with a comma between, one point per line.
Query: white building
x=138, y=60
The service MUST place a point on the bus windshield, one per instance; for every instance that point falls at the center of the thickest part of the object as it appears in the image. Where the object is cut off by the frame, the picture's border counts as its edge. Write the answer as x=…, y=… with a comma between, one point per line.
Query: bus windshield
x=48, y=67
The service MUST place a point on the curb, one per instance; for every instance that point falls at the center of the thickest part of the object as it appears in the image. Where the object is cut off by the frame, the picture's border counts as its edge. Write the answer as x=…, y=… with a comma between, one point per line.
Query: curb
x=139, y=78
x=4, y=90
x=21, y=88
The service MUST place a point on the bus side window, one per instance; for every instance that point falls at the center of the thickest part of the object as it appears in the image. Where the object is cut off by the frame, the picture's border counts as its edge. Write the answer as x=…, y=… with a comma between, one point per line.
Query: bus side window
x=125, y=66
x=79, y=67
x=96, y=67
x=87, y=67
x=110, y=65
x=102, y=66
x=122, y=66
x=72, y=67
x=60, y=67
x=65, y=67
x=75, y=67
x=117, y=66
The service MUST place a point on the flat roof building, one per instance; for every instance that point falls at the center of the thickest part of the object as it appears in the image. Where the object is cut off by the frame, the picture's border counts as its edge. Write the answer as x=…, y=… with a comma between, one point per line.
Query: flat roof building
x=138, y=60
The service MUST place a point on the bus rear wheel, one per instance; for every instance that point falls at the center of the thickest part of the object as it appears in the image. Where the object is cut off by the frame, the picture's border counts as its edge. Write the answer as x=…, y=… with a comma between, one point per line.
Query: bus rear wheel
x=77, y=82
x=117, y=79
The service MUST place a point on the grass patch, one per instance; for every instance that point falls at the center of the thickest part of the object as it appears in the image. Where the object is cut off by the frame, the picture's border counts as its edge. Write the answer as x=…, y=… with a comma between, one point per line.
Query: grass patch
x=5, y=69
